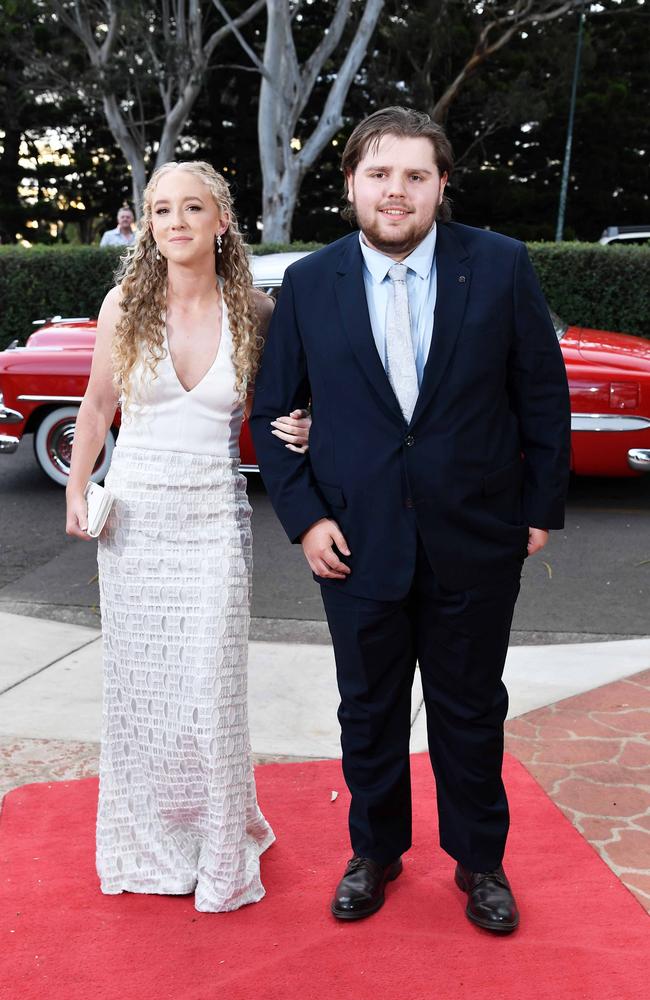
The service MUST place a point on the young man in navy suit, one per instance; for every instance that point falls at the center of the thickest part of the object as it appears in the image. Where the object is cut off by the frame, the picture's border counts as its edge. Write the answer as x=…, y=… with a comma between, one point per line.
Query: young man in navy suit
x=438, y=460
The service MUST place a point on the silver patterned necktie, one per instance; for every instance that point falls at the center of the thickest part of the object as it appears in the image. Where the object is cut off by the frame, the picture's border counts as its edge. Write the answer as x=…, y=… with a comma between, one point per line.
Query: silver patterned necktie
x=400, y=360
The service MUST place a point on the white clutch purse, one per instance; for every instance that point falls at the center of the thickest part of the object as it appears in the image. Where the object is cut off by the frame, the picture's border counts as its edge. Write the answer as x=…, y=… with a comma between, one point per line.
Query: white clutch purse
x=99, y=502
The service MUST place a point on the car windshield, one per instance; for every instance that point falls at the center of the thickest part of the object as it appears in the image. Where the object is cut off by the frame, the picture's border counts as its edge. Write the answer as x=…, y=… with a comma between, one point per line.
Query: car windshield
x=560, y=326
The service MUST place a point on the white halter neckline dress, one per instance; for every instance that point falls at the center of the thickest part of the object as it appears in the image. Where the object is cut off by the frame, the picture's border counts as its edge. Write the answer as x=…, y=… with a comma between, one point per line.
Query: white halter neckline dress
x=177, y=806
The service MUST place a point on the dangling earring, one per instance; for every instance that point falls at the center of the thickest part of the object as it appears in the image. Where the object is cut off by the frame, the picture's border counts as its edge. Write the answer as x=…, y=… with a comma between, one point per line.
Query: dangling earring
x=157, y=254
x=219, y=243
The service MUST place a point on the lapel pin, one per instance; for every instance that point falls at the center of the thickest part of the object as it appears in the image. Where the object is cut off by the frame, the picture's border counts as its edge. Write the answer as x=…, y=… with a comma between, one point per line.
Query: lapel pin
x=461, y=279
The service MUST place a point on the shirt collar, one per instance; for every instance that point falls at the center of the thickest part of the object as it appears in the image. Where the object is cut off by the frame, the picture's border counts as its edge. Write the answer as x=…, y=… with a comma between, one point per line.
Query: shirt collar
x=419, y=260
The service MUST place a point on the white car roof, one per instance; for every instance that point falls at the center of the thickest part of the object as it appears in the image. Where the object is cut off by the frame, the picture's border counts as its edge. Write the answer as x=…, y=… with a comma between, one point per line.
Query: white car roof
x=268, y=269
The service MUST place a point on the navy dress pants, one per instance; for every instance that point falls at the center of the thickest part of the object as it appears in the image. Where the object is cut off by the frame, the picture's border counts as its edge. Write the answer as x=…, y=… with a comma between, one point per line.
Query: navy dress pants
x=459, y=639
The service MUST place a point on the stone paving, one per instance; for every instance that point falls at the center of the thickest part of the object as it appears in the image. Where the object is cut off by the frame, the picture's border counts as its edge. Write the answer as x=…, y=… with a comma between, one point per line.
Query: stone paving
x=591, y=754
x=24, y=761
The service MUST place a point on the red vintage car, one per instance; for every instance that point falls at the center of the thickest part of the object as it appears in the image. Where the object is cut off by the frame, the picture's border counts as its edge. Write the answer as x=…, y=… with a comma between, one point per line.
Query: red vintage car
x=42, y=384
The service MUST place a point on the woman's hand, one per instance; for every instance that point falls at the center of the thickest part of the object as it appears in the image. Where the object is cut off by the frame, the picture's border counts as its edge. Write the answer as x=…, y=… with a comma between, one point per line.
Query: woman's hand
x=76, y=520
x=293, y=429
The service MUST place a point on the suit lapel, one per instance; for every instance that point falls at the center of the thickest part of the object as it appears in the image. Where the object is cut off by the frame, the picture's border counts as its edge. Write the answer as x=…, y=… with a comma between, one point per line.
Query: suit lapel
x=353, y=306
x=453, y=279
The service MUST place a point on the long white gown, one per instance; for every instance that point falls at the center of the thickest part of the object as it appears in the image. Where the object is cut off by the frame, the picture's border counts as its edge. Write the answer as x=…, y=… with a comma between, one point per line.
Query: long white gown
x=177, y=805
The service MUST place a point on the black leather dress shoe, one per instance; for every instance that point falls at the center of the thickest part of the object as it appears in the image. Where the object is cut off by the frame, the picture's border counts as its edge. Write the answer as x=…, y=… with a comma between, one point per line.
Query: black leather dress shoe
x=361, y=890
x=490, y=902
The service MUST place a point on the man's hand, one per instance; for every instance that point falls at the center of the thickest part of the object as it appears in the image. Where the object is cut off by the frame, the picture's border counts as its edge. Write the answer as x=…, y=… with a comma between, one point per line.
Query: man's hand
x=317, y=544
x=537, y=539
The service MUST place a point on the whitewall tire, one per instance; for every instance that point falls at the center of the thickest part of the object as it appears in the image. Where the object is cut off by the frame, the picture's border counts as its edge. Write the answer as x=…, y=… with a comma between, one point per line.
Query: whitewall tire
x=53, y=445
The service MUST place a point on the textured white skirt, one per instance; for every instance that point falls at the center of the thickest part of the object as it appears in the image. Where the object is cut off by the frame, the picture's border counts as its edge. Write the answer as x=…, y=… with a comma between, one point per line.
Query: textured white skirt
x=177, y=806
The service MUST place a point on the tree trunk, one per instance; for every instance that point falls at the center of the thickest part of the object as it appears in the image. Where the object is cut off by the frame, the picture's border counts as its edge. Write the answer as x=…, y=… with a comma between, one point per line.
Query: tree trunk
x=175, y=121
x=278, y=209
x=138, y=184
x=132, y=150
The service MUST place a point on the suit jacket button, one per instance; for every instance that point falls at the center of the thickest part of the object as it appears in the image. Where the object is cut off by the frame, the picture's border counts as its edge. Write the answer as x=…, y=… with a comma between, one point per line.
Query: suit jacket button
x=409, y=441
x=409, y=503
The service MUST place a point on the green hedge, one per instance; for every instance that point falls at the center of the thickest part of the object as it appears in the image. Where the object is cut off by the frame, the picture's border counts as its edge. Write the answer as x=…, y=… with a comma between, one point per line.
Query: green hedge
x=46, y=281
x=260, y=249
x=586, y=283
x=603, y=287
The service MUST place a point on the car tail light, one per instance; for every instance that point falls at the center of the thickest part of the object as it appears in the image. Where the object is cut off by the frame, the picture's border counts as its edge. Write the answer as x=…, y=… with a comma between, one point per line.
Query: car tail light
x=624, y=395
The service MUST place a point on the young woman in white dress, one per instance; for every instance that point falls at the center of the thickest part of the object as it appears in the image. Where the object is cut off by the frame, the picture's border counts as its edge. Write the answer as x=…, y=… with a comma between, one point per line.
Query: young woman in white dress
x=178, y=343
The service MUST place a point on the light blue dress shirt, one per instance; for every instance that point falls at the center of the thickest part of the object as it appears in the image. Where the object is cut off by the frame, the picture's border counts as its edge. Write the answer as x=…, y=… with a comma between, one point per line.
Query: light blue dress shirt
x=422, y=286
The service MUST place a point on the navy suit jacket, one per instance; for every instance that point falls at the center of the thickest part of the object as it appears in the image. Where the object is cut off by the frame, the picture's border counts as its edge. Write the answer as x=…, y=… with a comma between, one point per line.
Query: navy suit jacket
x=486, y=453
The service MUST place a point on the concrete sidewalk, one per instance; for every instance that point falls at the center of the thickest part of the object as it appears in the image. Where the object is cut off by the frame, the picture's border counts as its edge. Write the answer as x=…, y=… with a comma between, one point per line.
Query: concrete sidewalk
x=50, y=685
x=50, y=717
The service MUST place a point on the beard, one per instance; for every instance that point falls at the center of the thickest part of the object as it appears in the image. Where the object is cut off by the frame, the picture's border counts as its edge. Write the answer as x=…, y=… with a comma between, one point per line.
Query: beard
x=399, y=242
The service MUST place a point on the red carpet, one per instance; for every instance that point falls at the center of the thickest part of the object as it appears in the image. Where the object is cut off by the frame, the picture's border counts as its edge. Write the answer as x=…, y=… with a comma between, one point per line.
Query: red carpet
x=583, y=935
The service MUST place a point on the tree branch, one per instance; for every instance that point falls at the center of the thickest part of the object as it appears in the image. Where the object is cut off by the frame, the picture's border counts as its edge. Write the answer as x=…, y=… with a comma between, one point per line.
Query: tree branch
x=326, y=46
x=231, y=25
x=510, y=22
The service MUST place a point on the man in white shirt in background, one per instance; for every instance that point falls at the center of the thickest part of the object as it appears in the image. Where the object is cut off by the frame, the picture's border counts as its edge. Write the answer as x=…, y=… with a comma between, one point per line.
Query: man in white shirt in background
x=123, y=234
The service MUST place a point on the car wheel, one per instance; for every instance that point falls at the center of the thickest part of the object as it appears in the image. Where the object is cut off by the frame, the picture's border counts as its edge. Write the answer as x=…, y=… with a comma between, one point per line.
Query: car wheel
x=53, y=446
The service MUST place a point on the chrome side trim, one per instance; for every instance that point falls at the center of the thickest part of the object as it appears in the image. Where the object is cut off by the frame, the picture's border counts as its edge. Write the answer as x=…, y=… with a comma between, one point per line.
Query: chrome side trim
x=43, y=348
x=608, y=422
x=9, y=416
x=60, y=319
x=8, y=444
x=52, y=399
x=249, y=468
x=639, y=459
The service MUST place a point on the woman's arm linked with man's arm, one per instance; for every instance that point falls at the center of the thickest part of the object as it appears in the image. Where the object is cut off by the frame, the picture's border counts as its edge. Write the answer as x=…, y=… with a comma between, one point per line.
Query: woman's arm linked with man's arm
x=294, y=428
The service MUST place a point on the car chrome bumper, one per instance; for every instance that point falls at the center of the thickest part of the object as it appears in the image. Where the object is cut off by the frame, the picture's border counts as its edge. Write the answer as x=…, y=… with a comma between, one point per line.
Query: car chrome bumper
x=9, y=416
x=8, y=444
x=639, y=459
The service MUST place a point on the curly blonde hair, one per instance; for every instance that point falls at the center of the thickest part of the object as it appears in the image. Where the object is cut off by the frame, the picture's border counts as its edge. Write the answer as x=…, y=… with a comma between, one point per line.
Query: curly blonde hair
x=142, y=278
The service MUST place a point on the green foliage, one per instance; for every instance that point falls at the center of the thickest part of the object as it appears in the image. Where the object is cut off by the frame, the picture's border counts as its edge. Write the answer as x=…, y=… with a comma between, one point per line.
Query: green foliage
x=585, y=283
x=603, y=287
x=260, y=249
x=62, y=178
x=49, y=281
x=507, y=123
